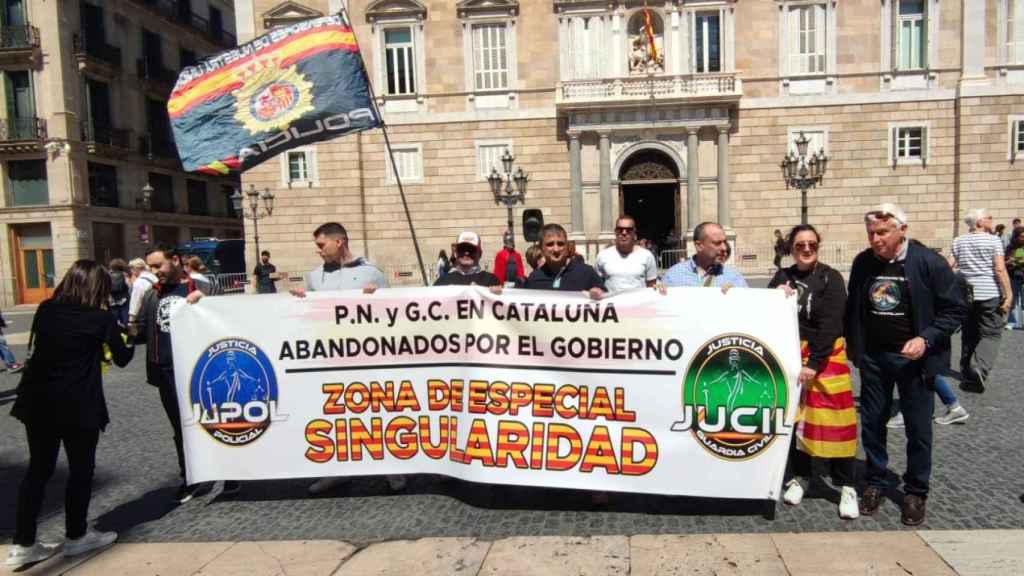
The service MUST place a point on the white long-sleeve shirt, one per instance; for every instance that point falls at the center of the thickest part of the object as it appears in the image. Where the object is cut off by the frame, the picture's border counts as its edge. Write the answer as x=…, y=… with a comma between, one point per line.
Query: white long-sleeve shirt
x=144, y=282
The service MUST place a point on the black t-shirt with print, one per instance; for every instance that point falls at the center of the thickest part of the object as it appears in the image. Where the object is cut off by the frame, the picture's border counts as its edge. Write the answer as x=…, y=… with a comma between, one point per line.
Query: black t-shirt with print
x=889, y=320
x=171, y=296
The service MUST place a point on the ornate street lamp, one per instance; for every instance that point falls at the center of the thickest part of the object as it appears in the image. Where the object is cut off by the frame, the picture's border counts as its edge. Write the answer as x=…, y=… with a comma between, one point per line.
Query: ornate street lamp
x=502, y=187
x=146, y=201
x=803, y=172
x=254, y=211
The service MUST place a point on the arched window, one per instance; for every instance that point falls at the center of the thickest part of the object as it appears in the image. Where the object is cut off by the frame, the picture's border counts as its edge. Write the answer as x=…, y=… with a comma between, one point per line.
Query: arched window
x=646, y=51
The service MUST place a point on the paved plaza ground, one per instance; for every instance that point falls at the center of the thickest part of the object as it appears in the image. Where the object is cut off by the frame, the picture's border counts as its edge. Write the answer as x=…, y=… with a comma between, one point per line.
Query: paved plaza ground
x=976, y=483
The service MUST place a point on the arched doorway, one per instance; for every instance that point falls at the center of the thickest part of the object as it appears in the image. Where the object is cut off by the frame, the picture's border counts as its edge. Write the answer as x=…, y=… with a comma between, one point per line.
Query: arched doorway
x=649, y=192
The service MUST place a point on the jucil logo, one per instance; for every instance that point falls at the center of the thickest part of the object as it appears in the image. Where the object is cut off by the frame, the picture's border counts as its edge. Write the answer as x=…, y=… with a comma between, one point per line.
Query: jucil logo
x=734, y=397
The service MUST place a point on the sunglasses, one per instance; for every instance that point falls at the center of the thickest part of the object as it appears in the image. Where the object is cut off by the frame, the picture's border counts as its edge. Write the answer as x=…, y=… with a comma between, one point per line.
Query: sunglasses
x=624, y=230
x=812, y=246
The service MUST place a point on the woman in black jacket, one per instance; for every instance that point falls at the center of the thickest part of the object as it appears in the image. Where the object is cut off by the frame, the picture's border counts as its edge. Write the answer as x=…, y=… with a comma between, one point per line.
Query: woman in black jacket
x=60, y=401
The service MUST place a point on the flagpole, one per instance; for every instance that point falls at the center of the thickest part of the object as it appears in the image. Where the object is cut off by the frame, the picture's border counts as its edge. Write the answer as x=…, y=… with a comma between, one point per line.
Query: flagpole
x=391, y=156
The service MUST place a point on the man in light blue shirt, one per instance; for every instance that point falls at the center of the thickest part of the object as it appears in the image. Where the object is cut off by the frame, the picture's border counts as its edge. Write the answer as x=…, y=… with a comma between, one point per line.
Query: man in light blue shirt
x=707, y=266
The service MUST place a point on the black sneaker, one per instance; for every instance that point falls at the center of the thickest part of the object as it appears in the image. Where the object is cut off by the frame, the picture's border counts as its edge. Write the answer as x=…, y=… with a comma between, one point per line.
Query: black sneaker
x=15, y=368
x=231, y=488
x=969, y=386
x=184, y=493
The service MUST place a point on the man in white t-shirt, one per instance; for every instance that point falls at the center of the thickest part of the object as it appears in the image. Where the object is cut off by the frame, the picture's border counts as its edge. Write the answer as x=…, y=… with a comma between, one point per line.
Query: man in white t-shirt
x=626, y=265
x=978, y=255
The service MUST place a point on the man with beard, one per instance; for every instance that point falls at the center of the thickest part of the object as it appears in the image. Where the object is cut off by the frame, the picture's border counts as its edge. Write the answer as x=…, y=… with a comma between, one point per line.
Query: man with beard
x=174, y=288
x=626, y=265
x=467, y=265
x=560, y=271
x=707, y=267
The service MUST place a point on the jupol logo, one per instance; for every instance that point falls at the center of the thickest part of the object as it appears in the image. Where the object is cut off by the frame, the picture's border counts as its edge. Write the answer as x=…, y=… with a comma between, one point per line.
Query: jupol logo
x=734, y=398
x=233, y=392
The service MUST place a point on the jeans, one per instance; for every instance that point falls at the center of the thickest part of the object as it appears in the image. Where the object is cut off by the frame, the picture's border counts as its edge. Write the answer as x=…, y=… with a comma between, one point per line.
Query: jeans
x=879, y=373
x=944, y=390
x=982, y=330
x=799, y=464
x=44, y=440
x=5, y=352
x=169, y=399
x=121, y=313
x=1016, y=319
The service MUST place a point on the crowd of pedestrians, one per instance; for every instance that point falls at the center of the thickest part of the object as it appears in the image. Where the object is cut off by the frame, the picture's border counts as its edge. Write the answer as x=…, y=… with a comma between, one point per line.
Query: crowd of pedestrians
x=892, y=320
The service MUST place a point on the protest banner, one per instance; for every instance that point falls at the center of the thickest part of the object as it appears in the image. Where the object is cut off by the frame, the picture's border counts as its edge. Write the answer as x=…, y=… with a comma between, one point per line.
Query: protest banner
x=689, y=393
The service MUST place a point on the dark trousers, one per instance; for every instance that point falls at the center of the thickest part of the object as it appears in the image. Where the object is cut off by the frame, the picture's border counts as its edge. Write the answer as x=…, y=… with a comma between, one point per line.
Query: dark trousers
x=799, y=464
x=879, y=373
x=121, y=313
x=169, y=398
x=44, y=442
x=982, y=331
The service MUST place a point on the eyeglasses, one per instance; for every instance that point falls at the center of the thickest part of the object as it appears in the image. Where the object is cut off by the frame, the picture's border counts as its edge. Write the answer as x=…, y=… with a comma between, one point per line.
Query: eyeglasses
x=553, y=243
x=812, y=246
x=624, y=230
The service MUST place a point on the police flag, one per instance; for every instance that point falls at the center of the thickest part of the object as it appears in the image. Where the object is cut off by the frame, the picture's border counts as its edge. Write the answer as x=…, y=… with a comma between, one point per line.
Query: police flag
x=292, y=86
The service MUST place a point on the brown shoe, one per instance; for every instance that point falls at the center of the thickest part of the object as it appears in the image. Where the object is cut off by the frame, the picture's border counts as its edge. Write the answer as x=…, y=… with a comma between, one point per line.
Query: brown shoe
x=913, y=510
x=870, y=500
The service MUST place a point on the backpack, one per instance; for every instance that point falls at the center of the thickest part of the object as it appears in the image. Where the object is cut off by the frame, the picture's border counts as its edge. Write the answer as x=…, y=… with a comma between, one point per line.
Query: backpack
x=118, y=288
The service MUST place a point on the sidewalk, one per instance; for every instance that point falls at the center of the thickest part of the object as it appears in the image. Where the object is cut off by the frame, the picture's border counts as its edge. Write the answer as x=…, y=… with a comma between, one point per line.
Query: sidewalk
x=924, y=553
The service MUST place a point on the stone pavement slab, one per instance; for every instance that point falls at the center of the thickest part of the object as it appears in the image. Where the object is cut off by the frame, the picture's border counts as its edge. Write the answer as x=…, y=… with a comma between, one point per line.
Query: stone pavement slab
x=589, y=556
x=979, y=553
x=298, y=558
x=705, y=555
x=426, y=557
x=859, y=554
x=172, y=559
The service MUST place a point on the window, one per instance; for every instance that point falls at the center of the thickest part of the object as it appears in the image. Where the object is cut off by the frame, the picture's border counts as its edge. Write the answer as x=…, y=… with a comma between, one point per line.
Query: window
x=107, y=241
x=26, y=183
x=216, y=24
x=165, y=235
x=298, y=168
x=586, y=48
x=1015, y=124
x=488, y=157
x=162, y=199
x=908, y=144
x=188, y=58
x=229, y=206
x=408, y=159
x=103, y=185
x=806, y=28
x=200, y=233
x=197, y=201
x=399, y=61
x=1015, y=31
x=707, y=42
x=911, y=34
x=20, y=106
x=490, y=56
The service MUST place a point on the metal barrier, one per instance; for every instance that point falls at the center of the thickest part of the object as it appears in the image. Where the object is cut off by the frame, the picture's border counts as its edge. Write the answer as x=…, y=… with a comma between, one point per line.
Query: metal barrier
x=230, y=283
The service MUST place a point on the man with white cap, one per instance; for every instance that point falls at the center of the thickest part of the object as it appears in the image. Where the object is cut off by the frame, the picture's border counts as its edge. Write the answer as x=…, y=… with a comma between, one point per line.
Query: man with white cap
x=467, y=264
x=903, y=306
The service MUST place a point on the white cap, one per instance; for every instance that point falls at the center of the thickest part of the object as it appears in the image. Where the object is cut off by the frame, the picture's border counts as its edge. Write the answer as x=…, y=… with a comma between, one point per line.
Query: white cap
x=885, y=211
x=468, y=237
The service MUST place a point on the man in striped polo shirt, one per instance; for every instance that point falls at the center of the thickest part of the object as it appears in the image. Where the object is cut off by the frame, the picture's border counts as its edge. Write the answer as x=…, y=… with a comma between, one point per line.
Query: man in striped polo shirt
x=979, y=257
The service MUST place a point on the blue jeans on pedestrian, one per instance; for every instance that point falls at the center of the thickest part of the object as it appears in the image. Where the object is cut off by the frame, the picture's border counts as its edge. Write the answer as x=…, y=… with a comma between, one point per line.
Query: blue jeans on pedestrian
x=879, y=373
x=944, y=390
x=1016, y=321
x=5, y=352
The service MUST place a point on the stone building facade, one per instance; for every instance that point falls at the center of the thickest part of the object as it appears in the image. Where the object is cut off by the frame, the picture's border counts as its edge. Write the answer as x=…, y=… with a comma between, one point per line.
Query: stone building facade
x=83, y=129
x=678, y=121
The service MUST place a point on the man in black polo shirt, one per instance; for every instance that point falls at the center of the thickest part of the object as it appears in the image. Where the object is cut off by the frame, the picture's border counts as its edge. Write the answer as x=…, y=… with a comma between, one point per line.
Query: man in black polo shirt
x=903, y=306
x=467, y=265
x=560, y=271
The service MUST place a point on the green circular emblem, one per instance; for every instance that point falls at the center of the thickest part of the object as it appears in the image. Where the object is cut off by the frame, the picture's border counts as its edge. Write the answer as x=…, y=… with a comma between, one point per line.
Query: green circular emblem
x=734, y=397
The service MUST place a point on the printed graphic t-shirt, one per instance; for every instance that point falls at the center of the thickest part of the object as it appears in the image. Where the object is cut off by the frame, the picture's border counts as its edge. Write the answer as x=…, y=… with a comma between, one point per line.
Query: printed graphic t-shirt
x=171, y=298
x=890, y=325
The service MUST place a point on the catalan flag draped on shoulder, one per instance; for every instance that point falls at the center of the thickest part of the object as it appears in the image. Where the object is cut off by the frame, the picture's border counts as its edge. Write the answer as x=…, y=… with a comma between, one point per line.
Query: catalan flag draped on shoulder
x=827, y=419
x=292, y=86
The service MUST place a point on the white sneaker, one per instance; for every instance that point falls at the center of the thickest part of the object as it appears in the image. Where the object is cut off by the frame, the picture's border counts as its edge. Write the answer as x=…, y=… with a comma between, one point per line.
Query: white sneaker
x=953, y=415
x=324, y=484
x=896, y=421
x=794, y=493
x=92, y=540
x=849, y=509
x=396, y=482
x=19, y=556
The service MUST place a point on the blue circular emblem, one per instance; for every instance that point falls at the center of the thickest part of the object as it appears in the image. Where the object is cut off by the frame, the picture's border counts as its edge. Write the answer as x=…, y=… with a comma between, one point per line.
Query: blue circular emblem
x=233, y=391
x=885, y=295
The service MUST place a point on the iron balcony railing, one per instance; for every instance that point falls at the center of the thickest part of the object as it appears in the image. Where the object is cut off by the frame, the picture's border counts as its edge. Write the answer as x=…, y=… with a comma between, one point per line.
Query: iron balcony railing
x=18, y=37
x=29, y=128
x=83, y=45
x=154, y=146
x=107, y=135
x=173, y=11
x=155, y=72
x=647, y=88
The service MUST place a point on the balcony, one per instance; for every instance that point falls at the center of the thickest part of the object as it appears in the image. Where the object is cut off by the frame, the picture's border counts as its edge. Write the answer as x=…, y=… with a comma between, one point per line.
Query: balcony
x=96, y=57
x=171, y=11
x=19, y=47
x=159, y=149
x=22, y=134
x=622, y=92
x=105, y=140
x=155, y=79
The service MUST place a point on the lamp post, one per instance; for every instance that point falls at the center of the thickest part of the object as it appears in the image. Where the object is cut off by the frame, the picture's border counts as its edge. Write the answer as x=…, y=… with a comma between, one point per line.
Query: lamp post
x=803, y=172
x=502, y=189
x=254, y=211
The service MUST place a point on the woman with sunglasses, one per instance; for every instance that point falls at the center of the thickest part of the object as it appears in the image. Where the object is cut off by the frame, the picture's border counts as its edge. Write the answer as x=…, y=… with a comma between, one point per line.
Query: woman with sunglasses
x=826, y=420
x=61, y=401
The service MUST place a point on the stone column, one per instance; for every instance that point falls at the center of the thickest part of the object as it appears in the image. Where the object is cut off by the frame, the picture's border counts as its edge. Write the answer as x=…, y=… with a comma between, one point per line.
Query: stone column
x=575, y=184
x=692, y=180
x=606, y=183
x=723, y=177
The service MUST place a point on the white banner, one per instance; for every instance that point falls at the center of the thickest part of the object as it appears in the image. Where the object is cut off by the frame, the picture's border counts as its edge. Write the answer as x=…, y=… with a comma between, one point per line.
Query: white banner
x=690, y=393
